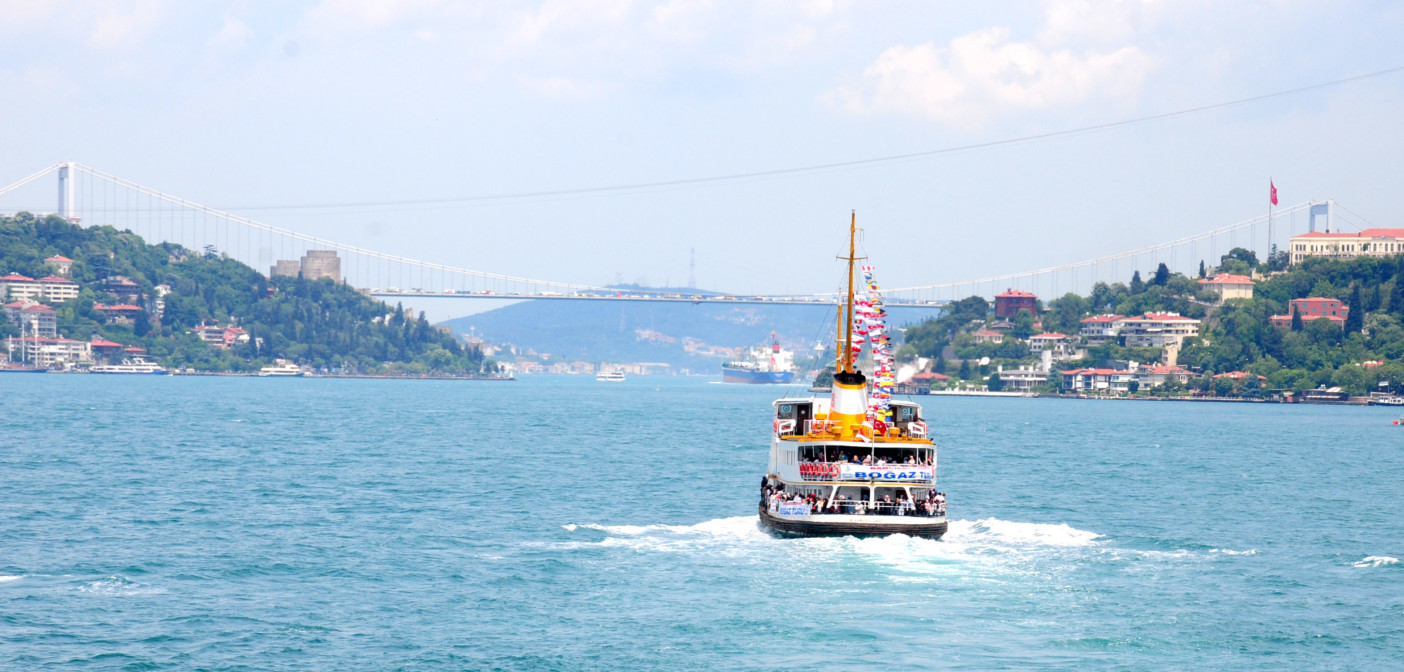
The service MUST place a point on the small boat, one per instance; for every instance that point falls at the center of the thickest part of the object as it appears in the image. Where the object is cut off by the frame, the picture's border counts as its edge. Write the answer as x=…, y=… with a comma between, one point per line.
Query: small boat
x=134, y=366
x=282, y=369
x=857, y=462
x=615, y=376
x=1387, y=401
x=16, y=368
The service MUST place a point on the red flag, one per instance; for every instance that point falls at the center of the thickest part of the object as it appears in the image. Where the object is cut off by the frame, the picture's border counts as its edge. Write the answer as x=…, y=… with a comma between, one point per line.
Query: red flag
x=1273, y=187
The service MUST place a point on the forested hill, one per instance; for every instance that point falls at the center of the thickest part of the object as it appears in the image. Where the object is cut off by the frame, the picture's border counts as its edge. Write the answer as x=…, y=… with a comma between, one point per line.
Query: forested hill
x=320, y=323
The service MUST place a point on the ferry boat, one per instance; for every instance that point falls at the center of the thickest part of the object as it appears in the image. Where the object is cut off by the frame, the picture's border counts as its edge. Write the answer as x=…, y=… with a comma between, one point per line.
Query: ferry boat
x=615, y=376
x=762, y=367
x=842, y=466
x=135, y=365
x=282, y=368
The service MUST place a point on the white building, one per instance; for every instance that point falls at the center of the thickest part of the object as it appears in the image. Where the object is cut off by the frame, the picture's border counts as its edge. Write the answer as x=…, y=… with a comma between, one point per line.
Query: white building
x=1157, y=330
x=1059, y=345
x=46, y=352
x=1230, y=286
x=1336, y=245
x=1100, y=329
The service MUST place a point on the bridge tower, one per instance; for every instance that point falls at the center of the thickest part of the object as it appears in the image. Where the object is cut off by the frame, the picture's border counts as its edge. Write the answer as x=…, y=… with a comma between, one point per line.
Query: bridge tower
x=1325, y=210
x=65, y=190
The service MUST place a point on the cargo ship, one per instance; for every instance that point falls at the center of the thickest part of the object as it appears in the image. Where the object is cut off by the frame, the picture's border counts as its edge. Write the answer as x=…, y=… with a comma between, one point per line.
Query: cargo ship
x=761, y=366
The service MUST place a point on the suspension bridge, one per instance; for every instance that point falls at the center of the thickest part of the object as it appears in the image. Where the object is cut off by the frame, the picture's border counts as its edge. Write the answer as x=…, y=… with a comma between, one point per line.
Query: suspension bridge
x=94, y=198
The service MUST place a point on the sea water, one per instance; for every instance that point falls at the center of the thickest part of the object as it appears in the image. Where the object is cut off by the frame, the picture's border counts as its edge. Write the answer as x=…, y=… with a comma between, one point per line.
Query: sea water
x=556, y=523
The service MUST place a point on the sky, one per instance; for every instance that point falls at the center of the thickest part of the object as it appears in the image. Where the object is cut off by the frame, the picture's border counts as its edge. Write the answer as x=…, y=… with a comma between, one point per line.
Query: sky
x=257, y=107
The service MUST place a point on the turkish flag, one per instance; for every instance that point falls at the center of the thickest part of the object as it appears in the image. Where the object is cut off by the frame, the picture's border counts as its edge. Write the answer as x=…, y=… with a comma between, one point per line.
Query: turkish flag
x=1273, y=189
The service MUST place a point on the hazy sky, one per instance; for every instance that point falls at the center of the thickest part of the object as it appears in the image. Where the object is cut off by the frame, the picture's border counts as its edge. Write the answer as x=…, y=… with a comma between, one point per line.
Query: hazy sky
x=251, y=105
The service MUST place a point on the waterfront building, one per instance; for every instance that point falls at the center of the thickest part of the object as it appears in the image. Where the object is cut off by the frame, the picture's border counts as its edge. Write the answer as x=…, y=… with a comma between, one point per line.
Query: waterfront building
x=1097, y=380
x=922, y=383
x=34, y=318
x=1230, y=286
x=103, y=349
x=1337, y=245
x=318, y=264
x=1157, y=330
x=1156, y=375
x=988, y=336
x=1313, y=308
x=62, y=265
x=1009, y=302
x=1100, y=329
x=1023, y=379
x=47, y=352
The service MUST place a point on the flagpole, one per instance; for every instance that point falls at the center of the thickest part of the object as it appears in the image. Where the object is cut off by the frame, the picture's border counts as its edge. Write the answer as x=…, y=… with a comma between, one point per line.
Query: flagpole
x=1271, y=187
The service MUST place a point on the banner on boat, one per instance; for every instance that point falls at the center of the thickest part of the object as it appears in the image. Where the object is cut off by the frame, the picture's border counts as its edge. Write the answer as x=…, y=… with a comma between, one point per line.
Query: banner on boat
x=891, y=472
x=790, y=508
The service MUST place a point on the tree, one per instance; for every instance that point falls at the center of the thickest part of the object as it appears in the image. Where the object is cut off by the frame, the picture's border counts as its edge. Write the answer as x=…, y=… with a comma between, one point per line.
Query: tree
x=994, y=384
x=1296, y=319
x=1222, y=387
x=965, y=372
x=1355, y=319
x=1162, y=275
x=1240, y=254
x=1137, y=286
x=1202, y=272
x=1135, y=385
x=1023, y=324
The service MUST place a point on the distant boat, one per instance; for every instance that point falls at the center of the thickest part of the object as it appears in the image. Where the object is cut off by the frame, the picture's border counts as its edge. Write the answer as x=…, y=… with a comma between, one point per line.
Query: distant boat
x=16, y=368
x=610, y=376
x=1387, y=401
x=135, y=365
x=282, y=369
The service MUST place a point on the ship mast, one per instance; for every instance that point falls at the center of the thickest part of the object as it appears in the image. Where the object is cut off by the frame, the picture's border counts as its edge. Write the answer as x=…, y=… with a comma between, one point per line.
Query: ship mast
x=848, y=324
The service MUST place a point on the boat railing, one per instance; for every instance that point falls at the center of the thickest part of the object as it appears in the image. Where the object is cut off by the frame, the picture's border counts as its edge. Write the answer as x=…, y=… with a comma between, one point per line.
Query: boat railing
x=861, y=508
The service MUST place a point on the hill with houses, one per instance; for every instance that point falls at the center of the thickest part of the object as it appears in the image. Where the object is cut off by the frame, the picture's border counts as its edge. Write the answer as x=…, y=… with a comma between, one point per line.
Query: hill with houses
x=75, y=296
x=1329, y=325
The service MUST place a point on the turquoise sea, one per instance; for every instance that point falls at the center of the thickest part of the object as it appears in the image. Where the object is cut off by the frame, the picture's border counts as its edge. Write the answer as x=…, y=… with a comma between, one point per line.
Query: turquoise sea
x=557, y=523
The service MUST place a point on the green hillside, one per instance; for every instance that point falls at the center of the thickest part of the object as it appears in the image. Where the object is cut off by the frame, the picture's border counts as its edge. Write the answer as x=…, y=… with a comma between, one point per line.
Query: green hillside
x=317, y=323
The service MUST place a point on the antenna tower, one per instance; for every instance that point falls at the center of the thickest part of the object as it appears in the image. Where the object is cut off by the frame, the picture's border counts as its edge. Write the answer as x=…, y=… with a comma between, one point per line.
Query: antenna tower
x=692, y=268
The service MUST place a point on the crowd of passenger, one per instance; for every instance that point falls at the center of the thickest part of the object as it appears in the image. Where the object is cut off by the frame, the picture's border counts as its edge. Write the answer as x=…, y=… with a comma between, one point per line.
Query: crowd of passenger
x=933, y=504
x=871, y=461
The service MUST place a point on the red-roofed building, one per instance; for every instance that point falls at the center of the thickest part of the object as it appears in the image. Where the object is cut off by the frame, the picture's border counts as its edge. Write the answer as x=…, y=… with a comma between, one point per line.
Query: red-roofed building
x=988, y=336
x=219, y=337
x=15, y=286
x=1236, y=375
x=921, y=383
x=62, y=265
x=1011, y=301
x=1336, y=245
x=1059, y=344
x=1156, y=375
x=36, y=319
x=123, y=287
x=1230, y=286
x=1314, y=308
x=57, y=289
x=1093, y=380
